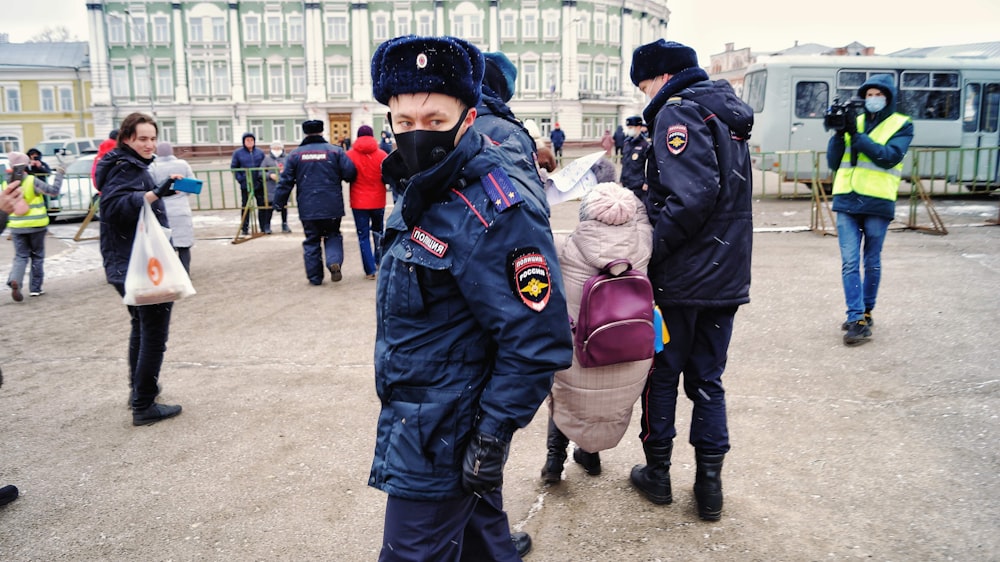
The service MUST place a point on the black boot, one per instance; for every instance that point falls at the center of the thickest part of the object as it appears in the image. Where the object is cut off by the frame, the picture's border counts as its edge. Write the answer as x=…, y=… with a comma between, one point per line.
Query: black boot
x=708, y=485
x=591, y=462
x=522, y=543
x=557, y=443
x=653, y=478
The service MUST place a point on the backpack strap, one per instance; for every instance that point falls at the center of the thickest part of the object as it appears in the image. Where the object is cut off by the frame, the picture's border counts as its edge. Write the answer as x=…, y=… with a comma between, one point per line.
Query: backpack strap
x=617, y=267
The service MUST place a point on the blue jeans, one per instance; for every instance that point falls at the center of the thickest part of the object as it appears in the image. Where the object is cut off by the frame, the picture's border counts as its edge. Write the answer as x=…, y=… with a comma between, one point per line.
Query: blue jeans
x=467, y=529
x=322, y=238
x=860, y=235
x=147, y=342
x=28, y=246
x=369, y=225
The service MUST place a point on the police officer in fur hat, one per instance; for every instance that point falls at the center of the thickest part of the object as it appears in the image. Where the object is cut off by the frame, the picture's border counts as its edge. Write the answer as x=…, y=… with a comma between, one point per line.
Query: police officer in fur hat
x=471, y=311
x=699, y=205
x=634, y=153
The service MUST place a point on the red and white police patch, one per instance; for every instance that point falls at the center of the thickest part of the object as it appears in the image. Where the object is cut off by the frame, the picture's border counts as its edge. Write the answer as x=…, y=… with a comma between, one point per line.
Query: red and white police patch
x=677, y=139
x=422, y=60
x=432, y=244
x=530, y=277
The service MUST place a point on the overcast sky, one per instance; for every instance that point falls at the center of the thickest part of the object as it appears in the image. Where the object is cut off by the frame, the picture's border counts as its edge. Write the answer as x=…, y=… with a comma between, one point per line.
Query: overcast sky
x=707, y=25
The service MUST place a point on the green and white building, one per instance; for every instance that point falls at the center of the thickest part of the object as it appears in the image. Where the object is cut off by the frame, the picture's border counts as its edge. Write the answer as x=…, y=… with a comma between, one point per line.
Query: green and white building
x=209, y=71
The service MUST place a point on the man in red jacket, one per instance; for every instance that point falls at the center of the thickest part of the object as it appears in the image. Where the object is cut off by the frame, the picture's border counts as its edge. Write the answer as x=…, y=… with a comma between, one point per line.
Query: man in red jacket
x=368, y=197
x=106, y=146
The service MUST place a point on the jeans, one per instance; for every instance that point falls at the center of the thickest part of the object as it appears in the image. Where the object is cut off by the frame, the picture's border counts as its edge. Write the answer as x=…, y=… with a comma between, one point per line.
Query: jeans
x=698, y=347
x=146, y=345
x=853, y=231
x=369, y=226
x=27, y=246
x=466, y=529
x=322, y=237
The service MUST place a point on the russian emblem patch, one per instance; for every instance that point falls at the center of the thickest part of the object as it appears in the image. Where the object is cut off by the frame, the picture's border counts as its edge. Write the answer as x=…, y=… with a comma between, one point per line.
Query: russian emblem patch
x=530, y=277
x=677, y=139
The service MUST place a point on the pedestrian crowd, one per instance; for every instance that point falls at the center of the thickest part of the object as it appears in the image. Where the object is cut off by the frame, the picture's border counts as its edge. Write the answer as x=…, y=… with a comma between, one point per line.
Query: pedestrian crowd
x=473, y=290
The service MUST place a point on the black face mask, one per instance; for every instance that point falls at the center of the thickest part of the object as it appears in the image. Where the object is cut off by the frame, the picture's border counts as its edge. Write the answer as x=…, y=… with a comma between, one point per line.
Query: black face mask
x=421, y=150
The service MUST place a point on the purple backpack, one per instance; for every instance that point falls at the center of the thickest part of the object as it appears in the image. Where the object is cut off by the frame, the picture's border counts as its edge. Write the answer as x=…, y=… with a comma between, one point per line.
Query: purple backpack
x=616, y=317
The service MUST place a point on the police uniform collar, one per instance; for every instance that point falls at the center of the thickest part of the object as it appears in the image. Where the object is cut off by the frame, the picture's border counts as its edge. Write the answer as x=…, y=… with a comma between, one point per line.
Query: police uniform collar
x=313, y=139
x=677, y=82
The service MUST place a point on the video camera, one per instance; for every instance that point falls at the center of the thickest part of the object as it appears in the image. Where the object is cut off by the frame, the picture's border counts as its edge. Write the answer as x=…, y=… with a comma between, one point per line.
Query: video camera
x=839, y=112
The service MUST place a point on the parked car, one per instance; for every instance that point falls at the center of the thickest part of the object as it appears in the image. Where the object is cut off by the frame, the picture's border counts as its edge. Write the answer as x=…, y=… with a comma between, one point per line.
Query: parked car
x=77, y=192
x=66, y=151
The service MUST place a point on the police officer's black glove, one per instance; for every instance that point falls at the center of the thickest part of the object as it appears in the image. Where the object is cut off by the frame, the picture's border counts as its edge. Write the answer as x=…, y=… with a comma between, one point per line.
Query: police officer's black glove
x=165, y=189
x=482, y=468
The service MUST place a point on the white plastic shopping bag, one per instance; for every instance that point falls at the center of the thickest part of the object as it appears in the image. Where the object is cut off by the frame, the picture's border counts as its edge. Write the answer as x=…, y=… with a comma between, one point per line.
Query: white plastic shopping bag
x=155, y=274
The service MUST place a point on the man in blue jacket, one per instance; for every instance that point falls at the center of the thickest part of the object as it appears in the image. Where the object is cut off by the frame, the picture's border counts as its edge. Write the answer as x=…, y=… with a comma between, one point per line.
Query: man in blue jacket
x=867, y=158
x=245, y=159
x=318, y=168
x=558, y=137
x=471, y=313
x=699, y=205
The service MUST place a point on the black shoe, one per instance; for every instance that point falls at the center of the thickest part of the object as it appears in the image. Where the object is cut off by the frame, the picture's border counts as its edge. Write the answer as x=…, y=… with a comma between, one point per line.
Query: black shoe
x=868, y=318
x=267, y=231
x=285, y=228
x=653, y=478
x=552, y=471
x=335, y=274
x=522, y=542
x=591, y=462
x=9, y=493
x=154, y=413
x=15, y=291
x=857, y=333
x=245, y=232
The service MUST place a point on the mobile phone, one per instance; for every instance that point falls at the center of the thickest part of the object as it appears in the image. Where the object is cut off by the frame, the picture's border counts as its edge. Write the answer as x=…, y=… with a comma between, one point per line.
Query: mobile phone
x=17, y=173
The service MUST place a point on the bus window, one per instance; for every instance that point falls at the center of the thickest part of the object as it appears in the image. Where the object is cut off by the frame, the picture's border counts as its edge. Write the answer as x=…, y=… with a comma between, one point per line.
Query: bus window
x=970, y=115
x=929, y=95
x=811, y=99
x=848, y=82
x=753, y=90
x=991, y=107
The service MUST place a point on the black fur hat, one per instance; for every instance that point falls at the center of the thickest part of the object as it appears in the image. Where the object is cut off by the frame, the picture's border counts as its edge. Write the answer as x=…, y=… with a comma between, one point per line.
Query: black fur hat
x=634, y=121
x=312, y=127
x=659, y=58
x=411, y=65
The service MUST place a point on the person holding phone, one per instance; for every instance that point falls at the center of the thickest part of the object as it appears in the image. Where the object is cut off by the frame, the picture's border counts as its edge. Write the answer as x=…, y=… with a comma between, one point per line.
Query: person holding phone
x=29, y=221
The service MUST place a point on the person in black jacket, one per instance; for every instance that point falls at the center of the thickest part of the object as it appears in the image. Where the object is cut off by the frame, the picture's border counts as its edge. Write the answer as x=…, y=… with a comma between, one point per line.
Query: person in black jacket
x=634, y=155
x=317, y=168
x=248, y=159
x=124, y=181
x=619, y=138
x=699, y=200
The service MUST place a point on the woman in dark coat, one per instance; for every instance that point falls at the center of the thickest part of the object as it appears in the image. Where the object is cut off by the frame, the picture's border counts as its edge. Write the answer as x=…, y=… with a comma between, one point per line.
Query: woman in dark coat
x=124, y=182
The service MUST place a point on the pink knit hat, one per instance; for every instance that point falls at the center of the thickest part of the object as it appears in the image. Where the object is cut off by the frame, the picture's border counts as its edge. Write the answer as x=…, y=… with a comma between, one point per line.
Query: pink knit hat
x=609, y=203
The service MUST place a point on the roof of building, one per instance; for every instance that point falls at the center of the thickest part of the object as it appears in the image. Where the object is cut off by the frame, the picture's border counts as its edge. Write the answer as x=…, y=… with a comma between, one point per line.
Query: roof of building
x=971, y=50
x=67, y=55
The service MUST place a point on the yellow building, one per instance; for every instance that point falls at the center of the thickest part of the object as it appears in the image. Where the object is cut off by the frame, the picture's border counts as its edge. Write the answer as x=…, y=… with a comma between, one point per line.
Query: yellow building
x=44, y=93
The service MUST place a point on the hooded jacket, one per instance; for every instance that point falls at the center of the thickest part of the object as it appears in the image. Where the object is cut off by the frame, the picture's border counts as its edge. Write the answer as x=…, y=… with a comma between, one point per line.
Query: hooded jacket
x=593, y=406
x=883, y=155
x=243, y=159
x=699, y=198
x=368, y=190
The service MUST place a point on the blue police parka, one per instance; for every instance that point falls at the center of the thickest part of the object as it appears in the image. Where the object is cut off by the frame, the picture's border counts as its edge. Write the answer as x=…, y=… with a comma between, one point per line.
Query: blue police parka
x=317, y=168
x=699, y=199
x=634, y=153
x=472, y=320
x=123, y=179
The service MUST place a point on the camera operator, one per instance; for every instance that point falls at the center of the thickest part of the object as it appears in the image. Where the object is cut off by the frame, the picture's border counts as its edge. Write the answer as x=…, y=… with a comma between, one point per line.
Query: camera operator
x=866, y=156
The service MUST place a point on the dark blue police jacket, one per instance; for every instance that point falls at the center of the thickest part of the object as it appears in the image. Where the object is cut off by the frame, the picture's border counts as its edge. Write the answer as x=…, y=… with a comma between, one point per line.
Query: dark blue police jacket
x=472, y=320
x=316, y=167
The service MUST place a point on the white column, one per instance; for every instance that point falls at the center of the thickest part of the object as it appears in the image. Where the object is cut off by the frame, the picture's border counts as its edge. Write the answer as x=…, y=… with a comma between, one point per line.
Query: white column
x=361, y=55
x=181, y=93
x=439, y=23
x=235, y=55
x=315, y=62
x=100, y=87
x=494, y=21
x=570, y=89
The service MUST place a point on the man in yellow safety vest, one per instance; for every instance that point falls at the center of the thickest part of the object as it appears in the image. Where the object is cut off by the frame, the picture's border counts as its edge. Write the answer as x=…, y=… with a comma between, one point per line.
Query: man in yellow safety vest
x=28, y=224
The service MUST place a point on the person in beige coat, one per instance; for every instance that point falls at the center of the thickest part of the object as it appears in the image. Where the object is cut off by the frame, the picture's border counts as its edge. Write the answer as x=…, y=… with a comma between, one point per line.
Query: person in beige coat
x=593, y=406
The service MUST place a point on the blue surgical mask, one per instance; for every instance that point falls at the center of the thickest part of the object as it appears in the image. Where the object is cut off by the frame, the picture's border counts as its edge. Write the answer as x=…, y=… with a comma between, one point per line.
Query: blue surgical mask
x=875, y=104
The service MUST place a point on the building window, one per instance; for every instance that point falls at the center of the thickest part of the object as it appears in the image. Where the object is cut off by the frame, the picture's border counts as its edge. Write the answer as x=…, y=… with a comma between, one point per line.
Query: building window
x=614, y=31
x=199, y=79
x=10, y=143
x=508, y=27
x=530, y=82
x=277, y=131
x=600, y=25
x=220, y=79
x=583, y=28
x=584, y=79
x=255, y=81
x=257, y=128
x=424, y=25
x=201, y=132
x=251, y=31
x=295, y=34
x=276, y=78
x=551, y=76
x=380, y=30
x=530, y=27
x=598, y=77
x=116, y=30
x=224, y=131
x=336, y=29
x=119, y=82
x=298, y=85
x=138, y=30
x=613, y=80
x=168, y=131
x=48, y=98
x=140, y=76
x=338, y=80
x=274, y=29
x=161, y=30
x=164, y=83
x=551, y=27
x=219, y=30
x=196, y=32
x=12, y=99
x=402, y=25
